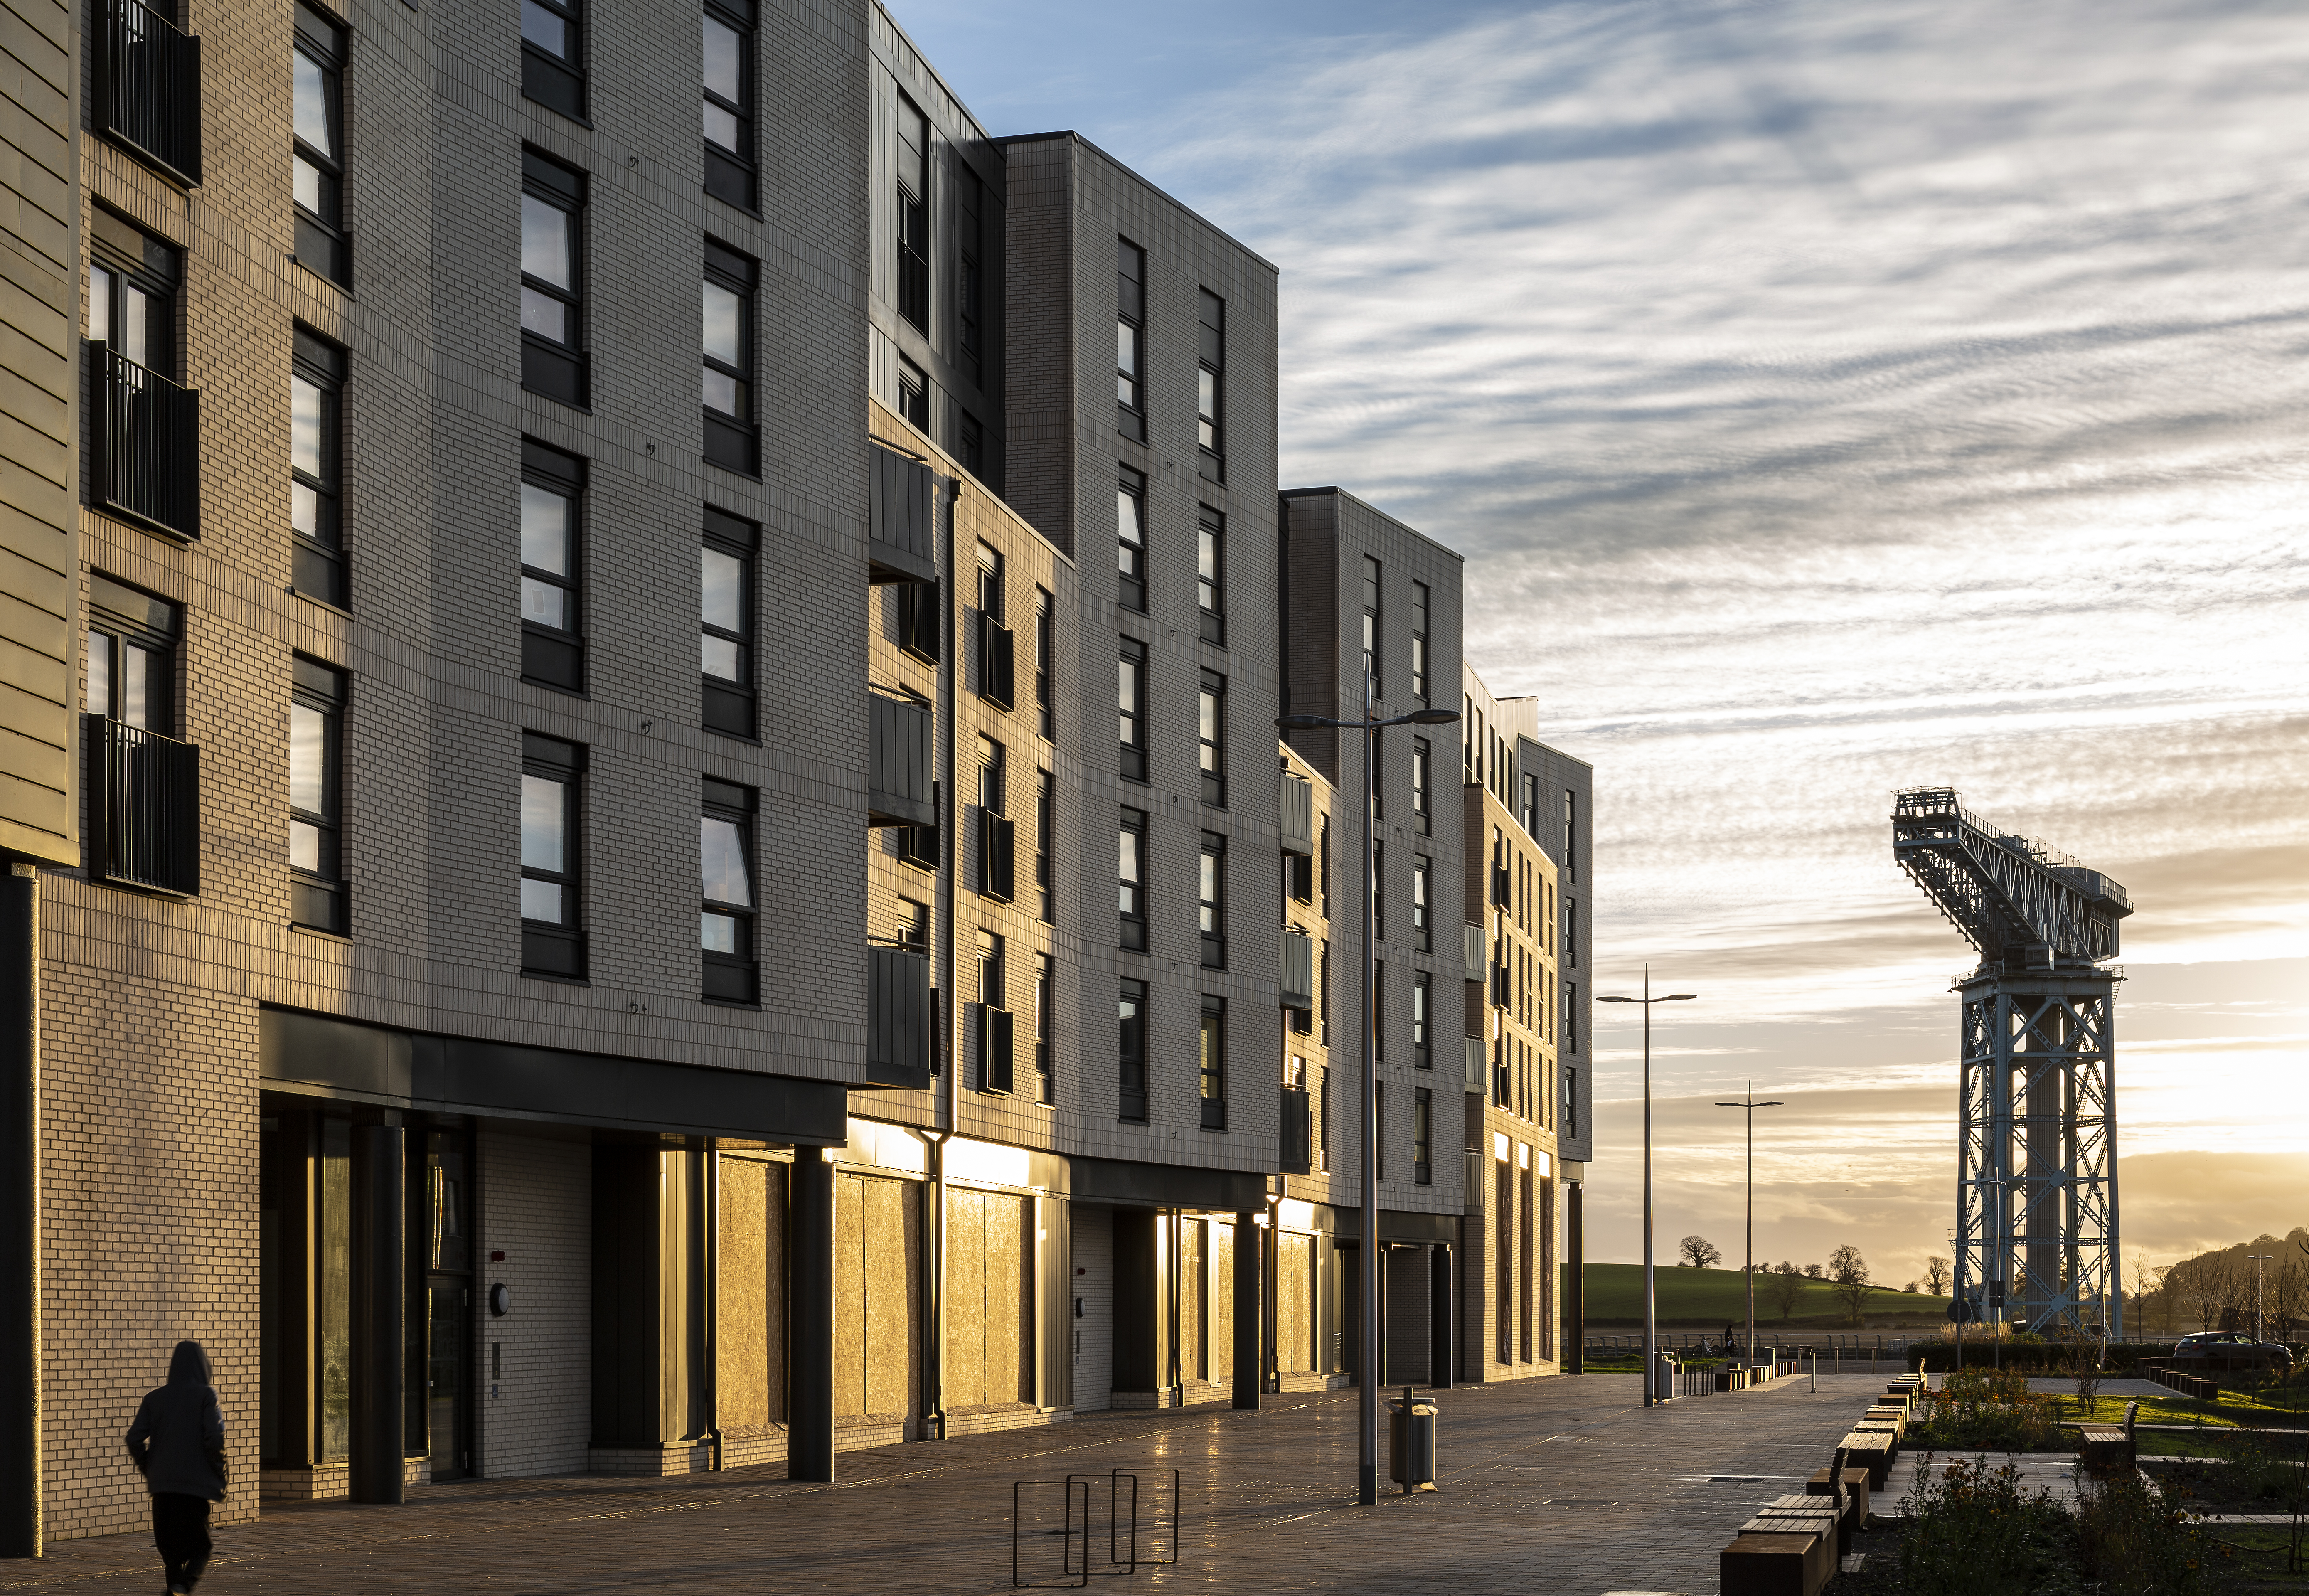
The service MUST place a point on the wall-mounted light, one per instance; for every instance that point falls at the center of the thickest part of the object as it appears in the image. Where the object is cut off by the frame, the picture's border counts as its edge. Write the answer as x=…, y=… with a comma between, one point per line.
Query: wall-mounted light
x=500, y=1300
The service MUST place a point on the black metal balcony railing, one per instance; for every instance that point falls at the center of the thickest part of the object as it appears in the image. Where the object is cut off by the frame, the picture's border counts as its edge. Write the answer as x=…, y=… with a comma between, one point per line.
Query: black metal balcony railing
x=147, y=808
x=1298, y=971
x=149, y=87
x=899, y=491
x=148, y=441
x=898, y=783
x=1297, y=1153
x=900, y=1017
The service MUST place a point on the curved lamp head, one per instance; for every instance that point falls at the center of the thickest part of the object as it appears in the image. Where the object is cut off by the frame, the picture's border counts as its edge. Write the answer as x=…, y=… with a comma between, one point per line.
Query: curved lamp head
x=1299, y=723
x=1434, y=717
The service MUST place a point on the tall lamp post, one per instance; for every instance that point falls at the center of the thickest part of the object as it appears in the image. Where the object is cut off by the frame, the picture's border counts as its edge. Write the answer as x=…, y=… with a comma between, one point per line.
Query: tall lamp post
x=1367, y=1263
x=1651, y=1330
x=1751, y=1104
x=2259, y=1275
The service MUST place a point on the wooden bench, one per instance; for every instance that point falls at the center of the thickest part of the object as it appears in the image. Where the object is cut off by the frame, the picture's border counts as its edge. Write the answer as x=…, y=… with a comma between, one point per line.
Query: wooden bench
x=1871, y=1449
x=1777, y=1563
x=1855, y=1499
x=1886, y=1413
x=2108, y=1448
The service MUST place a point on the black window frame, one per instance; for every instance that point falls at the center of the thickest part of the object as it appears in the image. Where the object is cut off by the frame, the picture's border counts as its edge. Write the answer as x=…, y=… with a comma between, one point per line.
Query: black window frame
x=1211, y=899
x=970, y=277
x=1131, y=897
x=1423, y=1020
x=319, y=898
x=127, y=618
x=1131, y=551
x=1210, y=418
x=1210, y=574
x=555, y=656
x=1133, y=738
x=1422, y=907
x=730, y=174
x=1046, y=708
x=914, y=404
x=1374, y=593
x=732, y=438
x=1422, y=773
x=1046, y=993
x=911, y=229
x=1210, y=738
x=731, y=977
x=1046, y=844
x=996, y=1024
x=1420, y=599
x=317, y=557
x=555, y=950
x=996, y=833
x=1422, y=1136
x=1379, y=889
x=1131, y=1053
x=729, y=707
x=1210, y=1061
x=997, y=682
x=322, y=246
x=558, y=369
x=556, y=82
x=1130, y=336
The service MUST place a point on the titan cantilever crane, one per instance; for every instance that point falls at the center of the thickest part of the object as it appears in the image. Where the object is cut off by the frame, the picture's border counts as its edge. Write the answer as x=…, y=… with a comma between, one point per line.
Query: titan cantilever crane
x=2035, y=1194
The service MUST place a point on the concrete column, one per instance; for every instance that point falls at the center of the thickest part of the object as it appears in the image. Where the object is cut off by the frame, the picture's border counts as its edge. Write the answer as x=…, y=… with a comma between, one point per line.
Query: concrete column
x=20, y=1212
x=809, y=1316
x=1440, y=1337
x=380, y=1297
x=1249, y=1312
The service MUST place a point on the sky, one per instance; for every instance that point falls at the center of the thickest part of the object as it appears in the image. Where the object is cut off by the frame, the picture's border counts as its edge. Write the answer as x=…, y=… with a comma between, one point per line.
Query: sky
x=1830, y=396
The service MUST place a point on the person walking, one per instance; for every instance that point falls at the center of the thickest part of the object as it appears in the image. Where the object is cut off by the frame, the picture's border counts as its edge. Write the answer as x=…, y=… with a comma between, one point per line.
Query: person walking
x=178, y=1445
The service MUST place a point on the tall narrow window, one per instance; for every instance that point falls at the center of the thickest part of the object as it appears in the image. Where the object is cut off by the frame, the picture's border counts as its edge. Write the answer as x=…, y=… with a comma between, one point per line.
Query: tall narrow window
x=1210, y=1057
x=726, y=623
x=551, y=943
x=1131, y=1053
x=1131, y=539
x=1379, y=889
x=1423, y=1135
x=730, y=434
x=996, y=832
x=552, y=310
x=997, y=653
x=316, y=875
x=1132, y=696
x=1323, y=995
x=1210, y=590
x=1423, y=1020
x=730, y=101
x=969, y=276
x=1570, y=953
x=1211, y=736
x=1210, y=383
x=317, y=389
x=1570, y=838
x=1423, y=759
x=1423, y=924
x=1046, y=708
x=1370, y=624
x=1571, y=1012
x=1419, y=641
x=914, y=396
x=725, y=916
x=1379, y=1125
x=996, y=1034
x=1130, y=340
x=1133, y=869
x=552, y=486
x=552, y=58
x=913, y=217
x=1323, y=853
x=1046, y=988
x=132, y=648
x=1046, y=840
x=1571, y=1101
x=1213, y=901
x=318, y=165
x=1323, y=1124
x=145, y=429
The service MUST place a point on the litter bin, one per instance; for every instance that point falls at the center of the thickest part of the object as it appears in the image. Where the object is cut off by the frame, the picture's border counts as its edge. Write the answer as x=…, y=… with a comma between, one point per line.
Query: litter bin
x=1411, y=1441
x=1665, y=1370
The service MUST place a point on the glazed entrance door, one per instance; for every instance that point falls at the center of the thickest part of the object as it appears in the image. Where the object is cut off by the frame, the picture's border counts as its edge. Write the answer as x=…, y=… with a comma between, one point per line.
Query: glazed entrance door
x=448, y=1318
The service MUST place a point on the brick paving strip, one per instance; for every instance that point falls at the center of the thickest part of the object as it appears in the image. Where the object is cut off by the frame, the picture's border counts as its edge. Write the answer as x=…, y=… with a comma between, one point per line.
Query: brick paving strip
x=1548, y=1486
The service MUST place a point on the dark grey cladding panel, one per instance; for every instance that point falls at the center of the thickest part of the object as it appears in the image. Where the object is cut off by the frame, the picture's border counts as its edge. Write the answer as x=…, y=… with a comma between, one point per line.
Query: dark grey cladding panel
x=1167, y=1185
x=1398, y=1225
x=453, y=1074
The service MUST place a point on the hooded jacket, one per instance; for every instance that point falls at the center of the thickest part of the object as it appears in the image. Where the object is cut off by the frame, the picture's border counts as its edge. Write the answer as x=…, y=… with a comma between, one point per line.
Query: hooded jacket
x=177, y=1441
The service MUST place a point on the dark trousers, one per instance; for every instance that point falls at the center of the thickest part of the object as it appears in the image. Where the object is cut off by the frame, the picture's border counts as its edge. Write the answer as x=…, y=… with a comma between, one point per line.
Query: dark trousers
x=180, y=1529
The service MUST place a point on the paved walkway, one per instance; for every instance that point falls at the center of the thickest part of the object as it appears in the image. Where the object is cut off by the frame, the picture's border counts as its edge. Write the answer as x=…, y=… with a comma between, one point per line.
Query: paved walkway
x=1549, y=1486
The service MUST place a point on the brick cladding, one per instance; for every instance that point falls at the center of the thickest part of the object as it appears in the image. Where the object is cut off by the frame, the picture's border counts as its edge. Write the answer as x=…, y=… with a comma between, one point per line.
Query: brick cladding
x=536, y=1208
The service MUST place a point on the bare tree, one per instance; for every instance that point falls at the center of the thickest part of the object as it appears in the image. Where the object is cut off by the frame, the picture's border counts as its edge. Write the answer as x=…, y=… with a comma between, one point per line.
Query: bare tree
x=2147, y=1283
x=1811, y=1271
x=1938, y=1271
x=2288, y=1299
x=1699, y=1253
x=2204, y=1286
x=1786, y=1286
x=1849, y=1272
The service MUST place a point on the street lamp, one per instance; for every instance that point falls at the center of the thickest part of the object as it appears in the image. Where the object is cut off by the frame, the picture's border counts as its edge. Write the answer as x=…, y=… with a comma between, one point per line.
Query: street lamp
x=1651, y=1331
x=1367, y=1263
x=1751, y=1104
x=2259, y=1275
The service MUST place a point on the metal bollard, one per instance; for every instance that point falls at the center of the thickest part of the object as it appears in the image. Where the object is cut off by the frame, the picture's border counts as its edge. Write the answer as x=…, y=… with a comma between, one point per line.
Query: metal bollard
x=1410, y=1443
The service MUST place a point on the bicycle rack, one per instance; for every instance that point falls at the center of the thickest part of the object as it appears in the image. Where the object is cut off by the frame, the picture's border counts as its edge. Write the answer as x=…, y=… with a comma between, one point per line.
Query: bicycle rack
x=1123, y=1524
x=1068, y=1568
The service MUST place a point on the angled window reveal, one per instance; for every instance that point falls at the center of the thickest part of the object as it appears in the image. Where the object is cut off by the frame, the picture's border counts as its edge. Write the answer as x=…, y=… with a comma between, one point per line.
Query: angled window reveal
x=729, y=60
x=552, y=305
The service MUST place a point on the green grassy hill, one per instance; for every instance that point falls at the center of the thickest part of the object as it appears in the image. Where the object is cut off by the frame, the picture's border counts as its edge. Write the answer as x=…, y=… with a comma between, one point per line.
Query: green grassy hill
x=1710, y=1298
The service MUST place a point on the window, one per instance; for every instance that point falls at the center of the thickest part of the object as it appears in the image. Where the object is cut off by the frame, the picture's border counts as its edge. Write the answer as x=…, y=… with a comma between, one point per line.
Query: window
x=1211, y=735
x=1571, y=951
x=1370, y=624
x=1046, y=987
x=1422, y=758
x=914, y=218
x=1323, y=994
x=551, y=484
x=997, y=676
x=725, y=916
x=970, y=279
x=1422, y=920
x=1130, y=537
x=1324, y=847
x=132, y=646
x=1210, y=1058
x=1570, y=839
x=1212, y=896
x=730, y=101
x=970, y=443
x=918, y=845
x=1299, y=878
x=912, y=929
x=1131, y=1053
x=1422, y=1016
x=552, y=67
x=316, y=386
x=726, y=623
x=1377, y=892
x=1134, y=880
x=913, y=395
x=1130, y=340
x=1210, y=550
x=1531, y=805
x=730, y=436
x=1422, y=1129
x=995, y=1036
x=552, y=312
x=1323, y=1124
x=1379, y=1126
x=144, y=428
x=1132, y=696
x=1379, y=1007
x=995, y=833
x=1571, y=1012
x=318, y=165
x=1419, y=641
x=316, y=877
x=1375, y=769
x=1571, y=1101
x=1046, y=838
x=143, y=787
x=551, y=943
x=1210, y=383
x=1046, y=710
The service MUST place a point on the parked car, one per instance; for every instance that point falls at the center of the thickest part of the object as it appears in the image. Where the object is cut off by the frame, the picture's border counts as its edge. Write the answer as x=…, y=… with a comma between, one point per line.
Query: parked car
x=2228, y=1349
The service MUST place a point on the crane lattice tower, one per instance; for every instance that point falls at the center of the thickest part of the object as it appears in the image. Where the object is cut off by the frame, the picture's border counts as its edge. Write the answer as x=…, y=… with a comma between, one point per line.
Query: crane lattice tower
x=2035, y=1194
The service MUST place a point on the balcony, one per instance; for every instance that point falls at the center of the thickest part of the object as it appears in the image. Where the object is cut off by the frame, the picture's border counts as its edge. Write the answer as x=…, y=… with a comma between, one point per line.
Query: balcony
x=148, y=434
x=1477, y=957
x=1296, y=1154
x=1298, y=970
x=898, y=784
x=1298, y=815
x=1478, y=1068
x=148, y=87
x=147, y=808
x=899, y=492
x=900, y=1017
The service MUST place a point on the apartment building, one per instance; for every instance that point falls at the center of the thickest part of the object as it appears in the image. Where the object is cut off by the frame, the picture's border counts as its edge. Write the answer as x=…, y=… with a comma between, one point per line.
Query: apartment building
x=395, y=590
